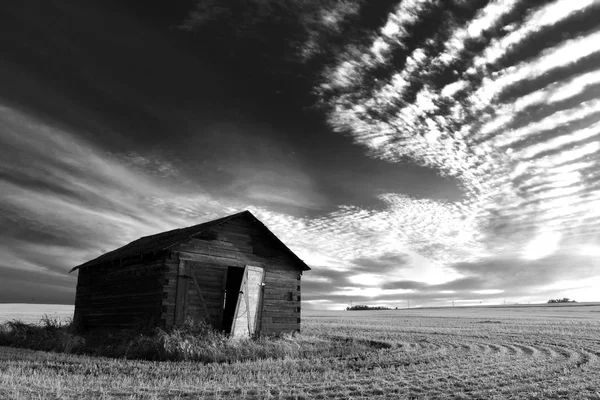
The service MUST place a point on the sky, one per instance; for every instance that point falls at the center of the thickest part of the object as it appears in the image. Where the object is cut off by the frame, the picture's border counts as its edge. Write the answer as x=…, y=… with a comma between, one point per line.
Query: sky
x=423, y=151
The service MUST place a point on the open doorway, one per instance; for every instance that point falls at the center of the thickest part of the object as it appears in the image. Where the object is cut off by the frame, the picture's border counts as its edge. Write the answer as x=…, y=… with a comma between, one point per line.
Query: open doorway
x=235, y=275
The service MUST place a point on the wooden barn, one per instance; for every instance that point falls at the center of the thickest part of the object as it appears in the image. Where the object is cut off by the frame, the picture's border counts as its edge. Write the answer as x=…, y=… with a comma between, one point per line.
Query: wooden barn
x=233, y=273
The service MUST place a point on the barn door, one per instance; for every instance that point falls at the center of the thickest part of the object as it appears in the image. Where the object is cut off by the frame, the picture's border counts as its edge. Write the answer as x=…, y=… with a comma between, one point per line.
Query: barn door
x=207, y=293
x=200, y=293
x=246, y=322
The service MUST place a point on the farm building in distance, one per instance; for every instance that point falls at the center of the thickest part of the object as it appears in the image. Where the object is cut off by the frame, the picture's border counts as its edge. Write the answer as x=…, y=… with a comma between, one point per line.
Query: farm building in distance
x=232, y=272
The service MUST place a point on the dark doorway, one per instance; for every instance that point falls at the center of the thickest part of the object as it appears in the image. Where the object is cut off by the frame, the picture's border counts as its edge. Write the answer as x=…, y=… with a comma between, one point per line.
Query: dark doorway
x=235, y=276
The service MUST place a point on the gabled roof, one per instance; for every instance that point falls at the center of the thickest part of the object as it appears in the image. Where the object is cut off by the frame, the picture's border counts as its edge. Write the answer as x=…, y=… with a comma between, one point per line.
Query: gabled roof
x=170, y=239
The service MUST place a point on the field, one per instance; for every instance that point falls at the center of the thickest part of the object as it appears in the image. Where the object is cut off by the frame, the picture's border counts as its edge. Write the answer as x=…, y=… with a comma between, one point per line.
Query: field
x=516, y=352
x=31, y=313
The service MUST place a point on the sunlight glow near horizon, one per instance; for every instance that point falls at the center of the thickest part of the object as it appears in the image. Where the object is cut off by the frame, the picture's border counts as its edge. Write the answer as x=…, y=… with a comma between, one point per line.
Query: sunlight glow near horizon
x=368, y=279
x=590, y=250
x=489, y=291
x=370, y=292
x=543, y=245
x=589, y=292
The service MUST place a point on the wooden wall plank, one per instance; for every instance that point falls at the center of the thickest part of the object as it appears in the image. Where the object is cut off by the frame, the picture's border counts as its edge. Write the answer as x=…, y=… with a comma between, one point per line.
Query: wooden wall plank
x=181, y=295
x=120, y=295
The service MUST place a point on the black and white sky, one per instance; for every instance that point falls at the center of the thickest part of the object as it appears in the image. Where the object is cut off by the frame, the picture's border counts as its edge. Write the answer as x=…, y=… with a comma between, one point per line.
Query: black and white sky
x=424, y=150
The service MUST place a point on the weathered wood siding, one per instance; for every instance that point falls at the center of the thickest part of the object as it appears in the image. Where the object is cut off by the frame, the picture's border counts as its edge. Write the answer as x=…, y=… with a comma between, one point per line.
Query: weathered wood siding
x=242, y=242
x=181, y=298
x=120, y=296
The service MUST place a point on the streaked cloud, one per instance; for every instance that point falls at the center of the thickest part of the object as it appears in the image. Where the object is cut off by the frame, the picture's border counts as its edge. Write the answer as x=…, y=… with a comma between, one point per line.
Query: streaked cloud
x=544, y=17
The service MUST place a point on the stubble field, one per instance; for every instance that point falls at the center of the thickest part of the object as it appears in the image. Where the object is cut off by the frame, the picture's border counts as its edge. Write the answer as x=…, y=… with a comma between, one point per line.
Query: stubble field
x=515, y=352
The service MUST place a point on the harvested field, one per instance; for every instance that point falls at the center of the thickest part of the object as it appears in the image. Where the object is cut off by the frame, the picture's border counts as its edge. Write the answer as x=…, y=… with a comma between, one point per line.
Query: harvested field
x=467, y=353
x=32, y=313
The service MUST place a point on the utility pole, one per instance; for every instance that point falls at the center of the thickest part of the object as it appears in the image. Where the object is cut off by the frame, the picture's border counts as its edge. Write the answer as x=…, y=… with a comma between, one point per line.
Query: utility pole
x=408, y=303
x=453, y=303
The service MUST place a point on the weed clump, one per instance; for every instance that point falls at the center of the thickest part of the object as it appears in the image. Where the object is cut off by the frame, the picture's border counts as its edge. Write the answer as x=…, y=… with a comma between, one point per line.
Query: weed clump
x=50, y=335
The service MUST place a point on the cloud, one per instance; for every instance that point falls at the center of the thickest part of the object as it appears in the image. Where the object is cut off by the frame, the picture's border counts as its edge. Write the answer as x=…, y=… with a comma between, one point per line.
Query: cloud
x=154, y=164
x=414, y=285
x=316, y=22
x=417, y=226
x=520, y=152
x=16, y=289
x=381, y=265
x=515, y=273
x=543, y=18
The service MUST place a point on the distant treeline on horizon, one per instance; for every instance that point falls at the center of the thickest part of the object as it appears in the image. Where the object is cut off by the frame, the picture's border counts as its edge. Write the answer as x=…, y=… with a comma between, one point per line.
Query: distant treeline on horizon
x=363, y=307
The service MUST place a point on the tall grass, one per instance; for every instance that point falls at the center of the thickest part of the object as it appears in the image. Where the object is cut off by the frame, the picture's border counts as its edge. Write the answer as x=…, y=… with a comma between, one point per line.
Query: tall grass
x=51, y=334
x=194, y=341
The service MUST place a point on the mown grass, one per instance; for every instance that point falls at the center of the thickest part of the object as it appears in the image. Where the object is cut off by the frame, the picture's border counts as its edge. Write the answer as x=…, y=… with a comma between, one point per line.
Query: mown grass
x=395, y=355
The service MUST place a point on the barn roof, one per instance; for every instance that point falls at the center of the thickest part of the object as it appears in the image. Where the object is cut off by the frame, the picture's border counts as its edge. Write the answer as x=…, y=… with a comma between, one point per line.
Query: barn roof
x=170, y=239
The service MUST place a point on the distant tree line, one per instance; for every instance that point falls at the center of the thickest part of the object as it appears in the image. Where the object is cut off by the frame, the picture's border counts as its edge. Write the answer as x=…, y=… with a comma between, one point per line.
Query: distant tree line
x=363, y=307
x=565, y=300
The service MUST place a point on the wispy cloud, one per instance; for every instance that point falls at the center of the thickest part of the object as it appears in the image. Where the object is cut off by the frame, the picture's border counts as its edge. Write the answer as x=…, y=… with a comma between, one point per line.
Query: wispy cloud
x=65, y=201
x=155, y=165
